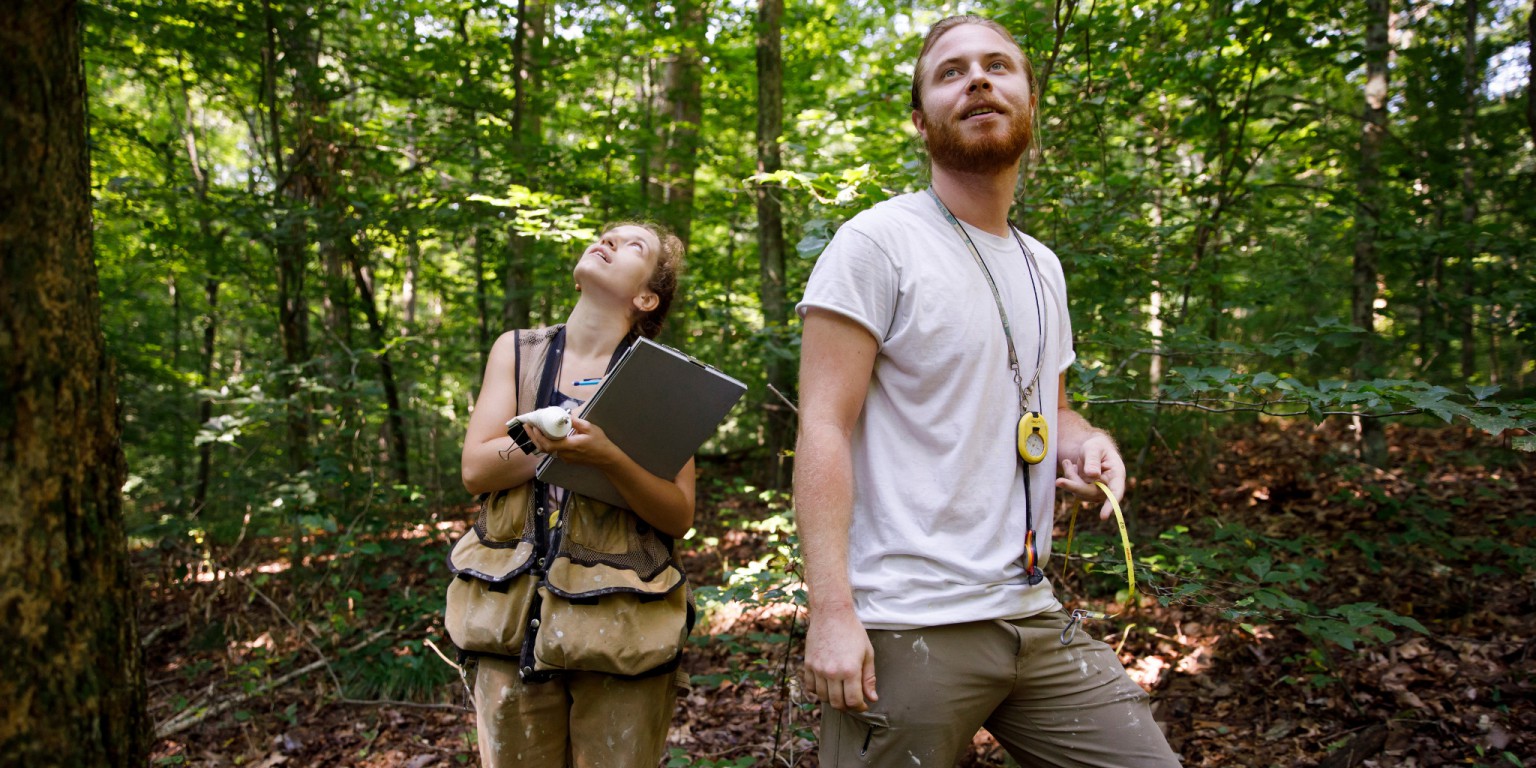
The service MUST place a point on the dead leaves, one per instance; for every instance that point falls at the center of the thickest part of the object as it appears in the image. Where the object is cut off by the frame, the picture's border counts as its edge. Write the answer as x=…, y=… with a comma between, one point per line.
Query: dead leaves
x=1465, y=694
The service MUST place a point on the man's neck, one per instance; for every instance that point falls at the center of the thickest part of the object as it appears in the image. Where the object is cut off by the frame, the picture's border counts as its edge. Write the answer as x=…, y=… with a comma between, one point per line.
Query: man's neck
x=591, y=331
x=981, y=200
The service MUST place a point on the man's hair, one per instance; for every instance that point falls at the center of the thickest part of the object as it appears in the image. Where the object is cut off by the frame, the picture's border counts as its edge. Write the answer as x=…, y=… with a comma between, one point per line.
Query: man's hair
x=945, y=25
x=663, y=282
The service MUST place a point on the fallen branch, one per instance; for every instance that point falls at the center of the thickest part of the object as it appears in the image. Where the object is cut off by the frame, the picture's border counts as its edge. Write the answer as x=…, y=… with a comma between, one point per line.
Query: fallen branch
x=181, y=722
x=153, y=634
x=411, y=704
x=1359, y=749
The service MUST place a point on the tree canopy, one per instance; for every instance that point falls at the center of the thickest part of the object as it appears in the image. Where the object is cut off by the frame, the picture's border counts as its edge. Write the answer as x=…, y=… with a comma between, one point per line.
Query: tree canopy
x=313, y=218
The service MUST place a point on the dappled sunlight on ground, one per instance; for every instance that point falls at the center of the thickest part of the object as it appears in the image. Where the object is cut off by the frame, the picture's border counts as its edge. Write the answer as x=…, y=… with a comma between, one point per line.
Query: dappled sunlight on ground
x=225, y=638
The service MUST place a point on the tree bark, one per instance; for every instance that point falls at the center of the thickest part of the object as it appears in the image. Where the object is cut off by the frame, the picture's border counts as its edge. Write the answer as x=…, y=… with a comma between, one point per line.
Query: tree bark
x=1530, y=84
x=1472, y=82
x=212, y=244
x=73, y=685
x=205, y=405
x=516, y=307
x=527, y=131
x=291, y=44
x=1373, y=444
x=477, y=234
x=770, y=232
x=682, y=89
x=399, y=455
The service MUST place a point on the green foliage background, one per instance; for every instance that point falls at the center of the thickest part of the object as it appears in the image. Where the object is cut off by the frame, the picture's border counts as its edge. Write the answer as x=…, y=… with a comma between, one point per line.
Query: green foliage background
x=1197, y=179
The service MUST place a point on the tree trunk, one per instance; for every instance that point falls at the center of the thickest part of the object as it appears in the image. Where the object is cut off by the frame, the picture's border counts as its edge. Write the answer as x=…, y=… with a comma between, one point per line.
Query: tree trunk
x=336, y=301
x=482, y=297
x=1373, y=444
x=297, y=179
x=178, y=457
x=293, y=330
x=1530, y=83
x=770, y=232
x=73, y=685
x=516, y=308
x=399, y=456
x=205, y=405
x=212, y=244
x=477, y=234
x=408, y=288
x=1472, y=82
x=680, y=96
x=682, y=88
x=527, y=130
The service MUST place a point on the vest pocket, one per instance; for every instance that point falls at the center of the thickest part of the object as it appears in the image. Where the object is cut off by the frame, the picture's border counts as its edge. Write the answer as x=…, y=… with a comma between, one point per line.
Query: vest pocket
x=613, y=600
x=483, y=617
x=626, y=633
x=488, y=601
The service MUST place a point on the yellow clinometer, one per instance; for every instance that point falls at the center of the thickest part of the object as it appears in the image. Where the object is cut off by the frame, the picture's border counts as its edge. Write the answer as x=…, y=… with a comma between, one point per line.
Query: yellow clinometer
x=1033, y=437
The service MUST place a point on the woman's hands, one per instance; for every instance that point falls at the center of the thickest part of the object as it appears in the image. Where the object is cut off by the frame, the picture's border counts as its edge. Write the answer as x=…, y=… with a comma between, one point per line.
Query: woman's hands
x=586, y=444
x=665, y=504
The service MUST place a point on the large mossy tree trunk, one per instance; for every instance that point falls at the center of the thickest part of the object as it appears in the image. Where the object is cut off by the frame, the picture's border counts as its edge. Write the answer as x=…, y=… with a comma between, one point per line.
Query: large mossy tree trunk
x=73, y=687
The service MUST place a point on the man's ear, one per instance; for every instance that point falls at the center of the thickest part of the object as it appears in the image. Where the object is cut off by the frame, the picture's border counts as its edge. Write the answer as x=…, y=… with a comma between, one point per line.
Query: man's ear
x=917, y=122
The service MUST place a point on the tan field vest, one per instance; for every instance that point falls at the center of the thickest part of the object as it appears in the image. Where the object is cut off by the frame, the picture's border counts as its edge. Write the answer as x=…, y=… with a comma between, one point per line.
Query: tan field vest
x=598, y=591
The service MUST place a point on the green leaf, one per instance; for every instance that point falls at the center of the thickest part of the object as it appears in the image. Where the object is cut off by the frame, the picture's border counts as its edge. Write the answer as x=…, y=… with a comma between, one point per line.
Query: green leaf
x=812, y=245
x=1483, y=392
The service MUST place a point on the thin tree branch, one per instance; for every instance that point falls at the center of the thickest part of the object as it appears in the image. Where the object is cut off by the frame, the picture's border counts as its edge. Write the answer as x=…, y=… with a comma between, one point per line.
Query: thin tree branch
x=1263, y=408
x=182, y=721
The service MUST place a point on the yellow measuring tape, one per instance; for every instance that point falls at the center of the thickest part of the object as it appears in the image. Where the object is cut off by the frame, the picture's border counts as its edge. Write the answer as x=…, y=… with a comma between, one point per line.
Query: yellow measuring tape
x=1130, y=571
x=1125, y=537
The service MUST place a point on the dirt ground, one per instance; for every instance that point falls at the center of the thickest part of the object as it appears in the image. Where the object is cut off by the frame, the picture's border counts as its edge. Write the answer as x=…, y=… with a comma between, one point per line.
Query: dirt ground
x=226, y=630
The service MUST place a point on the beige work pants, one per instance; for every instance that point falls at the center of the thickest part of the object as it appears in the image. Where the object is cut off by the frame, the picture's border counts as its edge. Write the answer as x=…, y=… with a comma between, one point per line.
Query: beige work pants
x=1048, y=704
x=577, y=720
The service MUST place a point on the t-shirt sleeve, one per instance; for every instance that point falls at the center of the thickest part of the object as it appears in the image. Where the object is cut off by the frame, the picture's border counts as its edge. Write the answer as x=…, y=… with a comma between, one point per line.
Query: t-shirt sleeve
x=855, y=278
x=1054, y=272
x=1068, y=350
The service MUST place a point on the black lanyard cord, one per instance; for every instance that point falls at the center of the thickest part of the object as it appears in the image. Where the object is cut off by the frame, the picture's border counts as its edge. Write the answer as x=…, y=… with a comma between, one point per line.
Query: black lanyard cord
x=1035, y=282
x=1032, y=573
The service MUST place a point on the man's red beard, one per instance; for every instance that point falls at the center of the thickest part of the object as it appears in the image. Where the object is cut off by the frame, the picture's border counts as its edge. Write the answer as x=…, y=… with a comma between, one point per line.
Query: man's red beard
x=988, y=154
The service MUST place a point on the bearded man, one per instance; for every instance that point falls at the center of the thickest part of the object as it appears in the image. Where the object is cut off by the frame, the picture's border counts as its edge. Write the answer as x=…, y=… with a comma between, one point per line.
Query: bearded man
x=933, y=419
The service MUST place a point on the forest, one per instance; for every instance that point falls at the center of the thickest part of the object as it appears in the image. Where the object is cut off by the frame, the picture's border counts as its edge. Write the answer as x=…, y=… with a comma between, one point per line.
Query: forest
x=1293, y=234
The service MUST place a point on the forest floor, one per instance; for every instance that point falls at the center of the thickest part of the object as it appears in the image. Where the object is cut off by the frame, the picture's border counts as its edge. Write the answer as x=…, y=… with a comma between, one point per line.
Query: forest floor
x=1273, y=653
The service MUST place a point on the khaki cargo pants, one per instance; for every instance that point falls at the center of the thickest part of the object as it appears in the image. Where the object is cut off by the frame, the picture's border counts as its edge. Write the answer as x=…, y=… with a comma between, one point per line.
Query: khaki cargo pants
x=1048, y=704
x=578, y=719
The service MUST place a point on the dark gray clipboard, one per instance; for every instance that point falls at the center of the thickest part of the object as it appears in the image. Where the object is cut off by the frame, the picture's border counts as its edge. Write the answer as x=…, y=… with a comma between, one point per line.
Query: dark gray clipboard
x=657, y=404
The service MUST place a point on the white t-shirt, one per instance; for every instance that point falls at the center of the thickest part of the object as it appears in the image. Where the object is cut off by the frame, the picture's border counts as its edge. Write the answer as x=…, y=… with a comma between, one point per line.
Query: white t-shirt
x=938, y=526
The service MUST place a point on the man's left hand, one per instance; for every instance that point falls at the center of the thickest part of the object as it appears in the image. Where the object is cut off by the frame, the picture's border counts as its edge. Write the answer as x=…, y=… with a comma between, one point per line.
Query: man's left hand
x=1101, y=463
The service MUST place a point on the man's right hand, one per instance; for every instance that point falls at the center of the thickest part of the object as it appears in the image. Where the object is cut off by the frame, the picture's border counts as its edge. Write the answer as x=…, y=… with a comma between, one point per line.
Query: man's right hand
x=839, y=661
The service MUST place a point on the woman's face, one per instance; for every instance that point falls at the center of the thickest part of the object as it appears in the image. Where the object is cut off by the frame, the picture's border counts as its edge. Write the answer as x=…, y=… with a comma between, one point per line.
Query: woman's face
x=620, y=264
